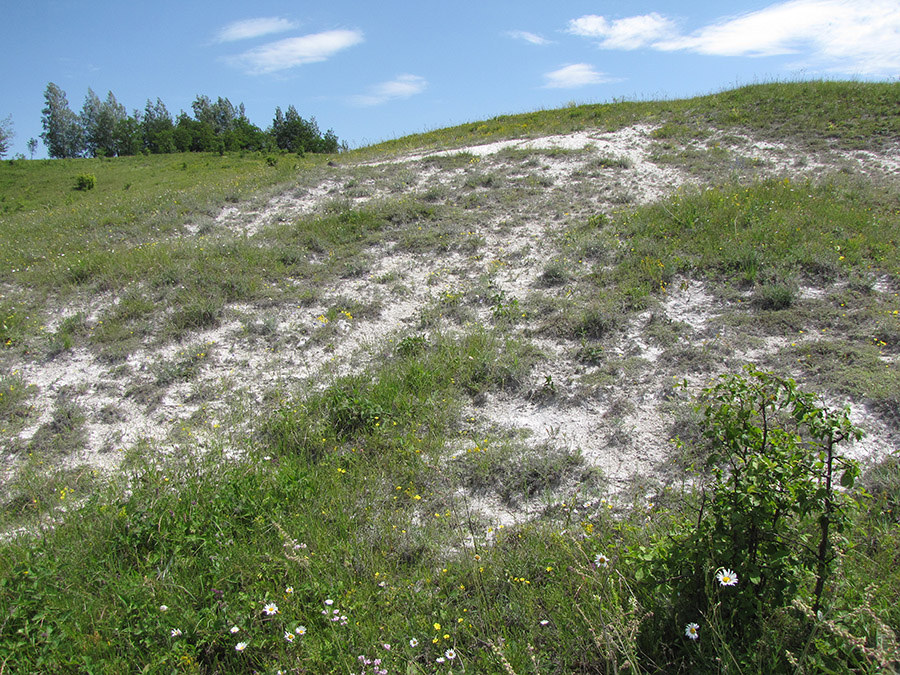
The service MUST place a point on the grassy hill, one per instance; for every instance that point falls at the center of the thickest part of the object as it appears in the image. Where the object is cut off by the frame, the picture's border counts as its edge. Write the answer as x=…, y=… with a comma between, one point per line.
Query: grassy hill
x=476, y=400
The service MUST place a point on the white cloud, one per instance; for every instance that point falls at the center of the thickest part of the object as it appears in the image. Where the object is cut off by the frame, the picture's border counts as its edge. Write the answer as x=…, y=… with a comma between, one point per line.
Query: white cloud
x=574, y=75
x=251, y=28
x=527, y=37
x=841, y=36
x=296, y=51
x=633, y=32
x=403, y=86
x=858, y=36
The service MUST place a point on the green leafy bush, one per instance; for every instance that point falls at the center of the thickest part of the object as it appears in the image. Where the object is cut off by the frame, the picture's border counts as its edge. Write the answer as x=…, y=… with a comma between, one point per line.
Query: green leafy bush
x=85, y=181
x=764, y=522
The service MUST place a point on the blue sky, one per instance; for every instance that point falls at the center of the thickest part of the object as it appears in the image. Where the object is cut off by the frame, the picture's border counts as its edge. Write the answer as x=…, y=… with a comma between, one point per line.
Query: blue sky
x=379, y=70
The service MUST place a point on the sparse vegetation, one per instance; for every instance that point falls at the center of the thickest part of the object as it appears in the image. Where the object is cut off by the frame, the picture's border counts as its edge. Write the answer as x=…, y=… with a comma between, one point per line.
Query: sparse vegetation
x=429, y=412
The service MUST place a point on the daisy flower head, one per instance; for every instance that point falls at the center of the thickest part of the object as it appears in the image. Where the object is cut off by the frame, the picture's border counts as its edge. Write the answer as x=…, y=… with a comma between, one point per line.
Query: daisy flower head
x=692, y=631
x=439, y=659
x=163, y=608
x=176, y=632
x=300, y=630
x=601, y=560
x=726, y=577
x=450, y=654
x=289, y=590
x=289, y=636
x=234, y=629
x=240, y=646
x=271, y=609
x=414, y=643
x=329, y=602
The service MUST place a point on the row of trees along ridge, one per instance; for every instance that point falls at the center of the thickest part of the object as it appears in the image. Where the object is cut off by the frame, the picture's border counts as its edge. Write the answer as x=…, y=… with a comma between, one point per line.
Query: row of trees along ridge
x=105, y=129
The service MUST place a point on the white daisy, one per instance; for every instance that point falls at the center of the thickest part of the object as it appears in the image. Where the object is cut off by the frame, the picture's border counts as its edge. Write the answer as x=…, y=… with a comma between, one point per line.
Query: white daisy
x=726, y=577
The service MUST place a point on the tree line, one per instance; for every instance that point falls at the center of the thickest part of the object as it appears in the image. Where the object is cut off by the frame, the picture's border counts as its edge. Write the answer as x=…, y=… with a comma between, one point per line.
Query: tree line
x=103, y=128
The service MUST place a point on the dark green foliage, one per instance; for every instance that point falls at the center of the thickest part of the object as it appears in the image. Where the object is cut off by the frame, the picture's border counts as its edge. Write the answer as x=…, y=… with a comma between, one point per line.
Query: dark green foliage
x=63, y=134
x=104, y=129
x=295, y=134
x=85, y=181
x=351, y=410
x=773, y=296
x=767, y=510
x=99, y=122
x=412, y=345
x=158, y=128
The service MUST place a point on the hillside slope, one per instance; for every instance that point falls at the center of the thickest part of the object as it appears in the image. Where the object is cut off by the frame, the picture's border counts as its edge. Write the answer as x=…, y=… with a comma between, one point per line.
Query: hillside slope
x=518, y=234
x=259, y=413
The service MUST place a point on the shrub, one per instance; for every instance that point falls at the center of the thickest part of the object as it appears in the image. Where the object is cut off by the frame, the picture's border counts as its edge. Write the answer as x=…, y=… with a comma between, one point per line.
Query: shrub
x=769, y=512
x=85, y=181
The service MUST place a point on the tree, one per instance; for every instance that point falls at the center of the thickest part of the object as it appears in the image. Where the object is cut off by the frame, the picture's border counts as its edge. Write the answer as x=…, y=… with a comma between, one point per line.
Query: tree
x=90, y=122
x=228, y=125
x=62, y=129
x=295, y=134
x=98, y=121
x=127, y=135
x=247, y=136
x=221, y=115
x=158, y=128
x=32, y=146
x=6, y=134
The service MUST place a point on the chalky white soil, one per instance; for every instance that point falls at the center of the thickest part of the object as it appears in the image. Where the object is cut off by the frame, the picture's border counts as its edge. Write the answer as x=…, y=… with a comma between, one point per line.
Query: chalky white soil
x=622, y=430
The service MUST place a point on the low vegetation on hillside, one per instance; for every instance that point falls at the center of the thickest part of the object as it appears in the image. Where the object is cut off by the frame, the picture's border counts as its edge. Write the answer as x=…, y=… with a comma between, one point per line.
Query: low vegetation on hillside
x=479, y=400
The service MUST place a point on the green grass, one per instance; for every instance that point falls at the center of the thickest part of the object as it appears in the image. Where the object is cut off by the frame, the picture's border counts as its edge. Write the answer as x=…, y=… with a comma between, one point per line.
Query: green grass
x=763, y=232
x=854, y=115
x=14, y=395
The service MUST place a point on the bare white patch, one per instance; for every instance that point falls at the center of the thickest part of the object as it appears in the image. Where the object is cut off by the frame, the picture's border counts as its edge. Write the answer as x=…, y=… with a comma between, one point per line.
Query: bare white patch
x=690, y=304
